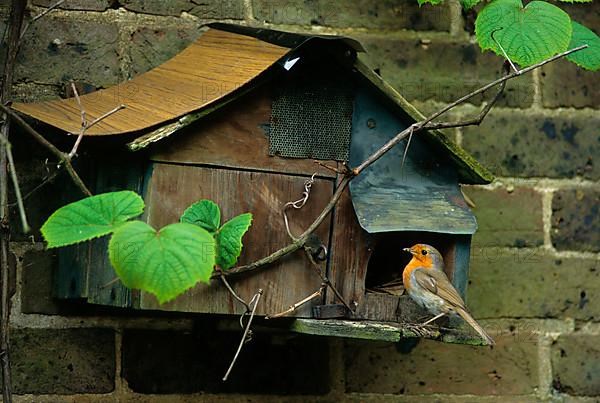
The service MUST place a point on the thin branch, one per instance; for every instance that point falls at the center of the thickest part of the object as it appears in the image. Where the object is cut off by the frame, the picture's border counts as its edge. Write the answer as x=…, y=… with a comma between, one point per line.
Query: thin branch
x=471, y=122
x=17, y=12
x=104, y=116
x=43, y=183
x=16, y=187
x=84, y=123
x=416, y=127
x=420, y=125
x=298, y=304
x=326, y=280
x=37, y=17
x=514, y=68
x=333, y=169
x=232, y=291
x=237, y=353
x=62, y=157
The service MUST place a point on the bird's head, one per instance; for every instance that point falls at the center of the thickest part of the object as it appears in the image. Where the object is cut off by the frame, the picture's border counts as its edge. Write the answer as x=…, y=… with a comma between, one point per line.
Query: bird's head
x=427, y=255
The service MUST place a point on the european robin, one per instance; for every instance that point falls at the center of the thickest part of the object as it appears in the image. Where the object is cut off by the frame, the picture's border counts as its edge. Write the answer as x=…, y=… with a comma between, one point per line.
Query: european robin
x=427, y=284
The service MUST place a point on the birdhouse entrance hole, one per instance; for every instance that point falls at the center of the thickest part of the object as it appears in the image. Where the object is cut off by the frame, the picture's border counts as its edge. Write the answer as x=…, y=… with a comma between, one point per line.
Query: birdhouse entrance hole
x=387, y=260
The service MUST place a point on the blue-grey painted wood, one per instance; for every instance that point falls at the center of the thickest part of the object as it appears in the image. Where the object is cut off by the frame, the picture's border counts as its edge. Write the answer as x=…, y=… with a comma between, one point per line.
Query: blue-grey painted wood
x=462, y=255
x=421, y=196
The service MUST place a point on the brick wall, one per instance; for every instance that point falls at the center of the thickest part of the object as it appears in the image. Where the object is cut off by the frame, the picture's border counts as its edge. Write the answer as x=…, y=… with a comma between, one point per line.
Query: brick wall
x=535, y=274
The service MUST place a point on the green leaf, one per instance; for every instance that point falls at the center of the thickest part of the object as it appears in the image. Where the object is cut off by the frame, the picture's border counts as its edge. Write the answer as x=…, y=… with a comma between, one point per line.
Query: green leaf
x=165, y=263
x=576, y=1
x=467, y=4
x=434, y=2
x=528, y=35
x=229, y=240
x=589, y=58
x=204, y=213
x=91, y=218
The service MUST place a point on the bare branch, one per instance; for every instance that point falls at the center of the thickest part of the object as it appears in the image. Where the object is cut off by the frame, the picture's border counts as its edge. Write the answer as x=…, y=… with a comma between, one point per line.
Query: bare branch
x=17, y=188
x=62, y=157
x=326, y=280
x=475, y=121
x=237, y=353
x=514, y=68
x=84, y=123
x=298, y=304
x=232, y=291
x=104, y=116
x=17, y=11
x=40, y=185
x=37, y=17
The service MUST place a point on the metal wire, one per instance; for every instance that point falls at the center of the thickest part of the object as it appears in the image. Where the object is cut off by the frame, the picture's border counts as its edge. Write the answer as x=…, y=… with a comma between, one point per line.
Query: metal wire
x=312, y=118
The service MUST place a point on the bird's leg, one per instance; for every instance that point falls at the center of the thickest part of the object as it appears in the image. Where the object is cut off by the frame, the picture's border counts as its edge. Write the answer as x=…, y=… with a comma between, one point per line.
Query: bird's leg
x=434, y=318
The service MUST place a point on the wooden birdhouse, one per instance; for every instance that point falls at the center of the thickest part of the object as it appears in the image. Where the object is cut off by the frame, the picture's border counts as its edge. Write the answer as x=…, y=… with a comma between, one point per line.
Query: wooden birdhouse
x=239, y=117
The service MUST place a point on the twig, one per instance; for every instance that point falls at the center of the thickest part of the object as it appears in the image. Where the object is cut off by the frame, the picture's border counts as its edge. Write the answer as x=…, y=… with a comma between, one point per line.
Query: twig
x=17, y=11
x=421, y=125
x=43, y=183
x=416, y=127
x=333, y=169
x=37, y=17
x=17, y=188
x=326, y=280
x=84, y=123
x=405, y=154
x=514, y=68
x=104, y=116
x=232, y=291
x=87, y=126
x=237, y=353
x=62, y=157
x=298, y=304
x=475, y=121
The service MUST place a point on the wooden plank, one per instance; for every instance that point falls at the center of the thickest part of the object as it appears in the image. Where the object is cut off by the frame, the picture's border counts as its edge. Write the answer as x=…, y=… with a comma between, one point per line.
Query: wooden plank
x=391, y=332
x=235, y=137
x=84, y=269
x=217, y=64
x=174, y=187
x=349, y=253
x=114, y=174
x=460, y=274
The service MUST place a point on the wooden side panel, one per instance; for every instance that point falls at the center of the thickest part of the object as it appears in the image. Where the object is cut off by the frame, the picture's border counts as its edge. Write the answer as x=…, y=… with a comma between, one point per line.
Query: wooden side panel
x=460, y=276
x=84, y=269
x=235, y=137
x=350, y=253
x=174, y=187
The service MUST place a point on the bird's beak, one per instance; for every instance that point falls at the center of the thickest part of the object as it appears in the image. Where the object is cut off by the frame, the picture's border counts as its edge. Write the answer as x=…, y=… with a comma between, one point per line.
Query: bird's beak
x=407, y=250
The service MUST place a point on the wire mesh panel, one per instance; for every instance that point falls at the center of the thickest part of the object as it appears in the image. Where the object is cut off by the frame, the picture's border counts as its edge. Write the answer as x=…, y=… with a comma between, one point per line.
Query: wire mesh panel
x=312, y=119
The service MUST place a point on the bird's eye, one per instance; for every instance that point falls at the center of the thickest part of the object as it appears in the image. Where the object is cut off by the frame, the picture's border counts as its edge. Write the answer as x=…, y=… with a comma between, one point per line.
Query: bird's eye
x=423, y=252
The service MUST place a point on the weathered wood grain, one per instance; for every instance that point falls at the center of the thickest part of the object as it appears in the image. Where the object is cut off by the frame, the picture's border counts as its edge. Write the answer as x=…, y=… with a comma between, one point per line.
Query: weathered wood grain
x=392, y=332
x=349, y=254
x=284, y=283
x=217, y=64
x=235, y=137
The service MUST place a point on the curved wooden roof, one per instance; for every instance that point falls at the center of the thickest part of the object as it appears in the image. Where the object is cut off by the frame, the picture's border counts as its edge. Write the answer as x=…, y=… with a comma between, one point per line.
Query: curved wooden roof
x=215, y=65
x=224, y=60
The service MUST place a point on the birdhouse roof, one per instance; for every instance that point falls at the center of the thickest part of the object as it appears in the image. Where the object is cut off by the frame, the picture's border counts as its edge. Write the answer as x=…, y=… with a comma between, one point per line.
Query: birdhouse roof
x=224, y=63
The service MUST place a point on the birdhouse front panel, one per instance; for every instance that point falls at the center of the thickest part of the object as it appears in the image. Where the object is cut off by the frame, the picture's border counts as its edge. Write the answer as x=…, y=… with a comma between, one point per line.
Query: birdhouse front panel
x=406, y=197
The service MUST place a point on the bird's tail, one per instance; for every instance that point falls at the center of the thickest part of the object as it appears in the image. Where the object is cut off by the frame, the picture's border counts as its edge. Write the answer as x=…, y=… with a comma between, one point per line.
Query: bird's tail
x=469, y=319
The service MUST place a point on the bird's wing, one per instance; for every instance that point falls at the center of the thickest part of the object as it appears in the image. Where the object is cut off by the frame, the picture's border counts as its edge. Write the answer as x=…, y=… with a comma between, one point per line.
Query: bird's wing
x=437, y=283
